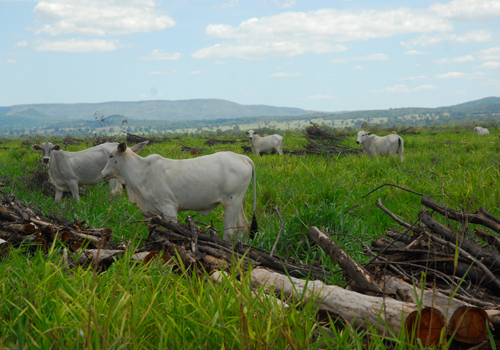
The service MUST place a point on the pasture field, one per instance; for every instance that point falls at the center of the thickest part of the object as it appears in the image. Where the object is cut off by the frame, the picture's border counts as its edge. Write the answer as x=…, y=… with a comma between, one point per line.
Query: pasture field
x=44, y=306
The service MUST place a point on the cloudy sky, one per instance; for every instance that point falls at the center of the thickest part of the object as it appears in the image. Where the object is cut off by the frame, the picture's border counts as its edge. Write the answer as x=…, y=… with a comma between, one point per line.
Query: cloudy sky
x=325, y=55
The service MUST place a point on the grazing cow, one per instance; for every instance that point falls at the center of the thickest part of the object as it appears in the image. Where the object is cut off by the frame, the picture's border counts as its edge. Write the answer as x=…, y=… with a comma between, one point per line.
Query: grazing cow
x=167, y=186
x=71, y=169
x=374, y=145
x=481, y=131
x=265, y=144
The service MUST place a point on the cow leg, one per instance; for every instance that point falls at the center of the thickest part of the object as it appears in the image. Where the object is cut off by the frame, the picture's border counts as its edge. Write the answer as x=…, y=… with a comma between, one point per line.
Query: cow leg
x=169, y=213
x=59, y=195
x=235, y=222
x=73, y=187
x=279, y=149
x=115, y=187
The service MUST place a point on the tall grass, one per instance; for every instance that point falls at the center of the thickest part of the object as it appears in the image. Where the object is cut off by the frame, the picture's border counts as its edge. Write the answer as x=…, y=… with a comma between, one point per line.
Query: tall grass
x=135, y=306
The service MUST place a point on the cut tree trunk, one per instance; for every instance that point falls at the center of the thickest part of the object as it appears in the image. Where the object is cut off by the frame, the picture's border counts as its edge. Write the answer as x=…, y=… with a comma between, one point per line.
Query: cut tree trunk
x=358, y=309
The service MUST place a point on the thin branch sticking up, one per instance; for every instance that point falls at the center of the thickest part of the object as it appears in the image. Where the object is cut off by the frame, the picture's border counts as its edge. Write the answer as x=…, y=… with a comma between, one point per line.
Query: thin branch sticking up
x=401, y=187
x=279, y=233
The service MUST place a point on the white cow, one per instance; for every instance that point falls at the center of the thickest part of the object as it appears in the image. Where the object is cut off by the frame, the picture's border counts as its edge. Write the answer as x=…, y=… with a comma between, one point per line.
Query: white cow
x=167, y=186
x=265, y=144
x=481, y=131
x=71, y=169
x=374, y=145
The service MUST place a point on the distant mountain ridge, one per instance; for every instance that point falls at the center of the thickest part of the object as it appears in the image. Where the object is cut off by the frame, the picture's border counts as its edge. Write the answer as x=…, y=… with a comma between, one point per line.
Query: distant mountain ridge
x=195, y=109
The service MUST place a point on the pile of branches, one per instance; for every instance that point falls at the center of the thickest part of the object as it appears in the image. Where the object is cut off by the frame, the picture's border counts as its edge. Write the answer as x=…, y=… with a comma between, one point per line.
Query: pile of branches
x=211, y=142
x=197, y=247
x=321, y=141
x=22, y=225
x=299, y=152
x=133, y=139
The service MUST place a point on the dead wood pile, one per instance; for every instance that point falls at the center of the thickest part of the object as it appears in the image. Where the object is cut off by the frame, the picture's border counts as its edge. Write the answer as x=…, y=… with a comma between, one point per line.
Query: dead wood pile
x=321, y=141
x=427, y=280
x=211, y=142
x=133, y=139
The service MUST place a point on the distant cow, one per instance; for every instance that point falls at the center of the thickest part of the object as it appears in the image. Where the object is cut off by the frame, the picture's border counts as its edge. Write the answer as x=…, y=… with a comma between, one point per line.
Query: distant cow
x=68, y=170
x=374, y=145
x=265, y=144
x=481, y=131
x=167, y=186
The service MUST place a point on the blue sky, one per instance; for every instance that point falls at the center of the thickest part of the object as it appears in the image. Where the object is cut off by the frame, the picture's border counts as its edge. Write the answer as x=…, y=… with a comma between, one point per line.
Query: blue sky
x=318, y=55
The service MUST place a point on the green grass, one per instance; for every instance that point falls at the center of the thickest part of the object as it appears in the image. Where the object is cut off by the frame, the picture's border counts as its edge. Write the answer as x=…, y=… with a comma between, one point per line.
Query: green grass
x=132, y=306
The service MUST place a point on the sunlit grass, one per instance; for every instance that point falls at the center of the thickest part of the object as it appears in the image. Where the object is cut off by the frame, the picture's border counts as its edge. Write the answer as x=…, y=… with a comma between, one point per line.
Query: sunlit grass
x=135, y=306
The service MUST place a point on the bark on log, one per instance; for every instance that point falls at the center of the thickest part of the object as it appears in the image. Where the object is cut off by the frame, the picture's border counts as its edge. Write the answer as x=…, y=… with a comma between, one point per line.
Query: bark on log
x=488, y=259
x=7, y=215
x=492, y=240
x=358, y=309
x=350, y=268
x=472, y=218
x=97, y=256
x=26, y=229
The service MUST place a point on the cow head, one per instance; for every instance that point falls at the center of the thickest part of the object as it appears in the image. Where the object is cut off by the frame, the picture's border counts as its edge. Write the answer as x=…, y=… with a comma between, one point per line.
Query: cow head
x=250, y=133
x=46, y=148
x=117, y=157
x=362, y=136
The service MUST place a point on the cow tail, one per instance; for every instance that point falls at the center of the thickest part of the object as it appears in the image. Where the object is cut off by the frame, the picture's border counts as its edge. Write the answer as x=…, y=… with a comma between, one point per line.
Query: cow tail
x=254, y=227
x=400, y=148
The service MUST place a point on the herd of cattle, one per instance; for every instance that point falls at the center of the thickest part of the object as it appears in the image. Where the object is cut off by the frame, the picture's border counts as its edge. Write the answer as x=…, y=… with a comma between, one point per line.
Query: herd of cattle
x=167, y=186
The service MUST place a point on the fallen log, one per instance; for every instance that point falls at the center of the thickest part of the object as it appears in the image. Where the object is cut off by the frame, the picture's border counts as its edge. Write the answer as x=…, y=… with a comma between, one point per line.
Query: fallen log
x=469, y=325
x=366, y=312
x=492, y=240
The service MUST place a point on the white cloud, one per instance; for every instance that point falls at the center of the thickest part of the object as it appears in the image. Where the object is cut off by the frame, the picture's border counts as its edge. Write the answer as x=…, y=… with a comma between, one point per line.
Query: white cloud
x=395, y=88
x=470, y=10
x=424, y=87
x=256, y=51
x=401, y=88
x=220, y=63
x=78, y=45
x=414, y=53
x=371, y=57
x=479, y=36
x=359, y=67
x=491, y=54
x=460, y=59
x=168, y=72
x=158, y=55
x=227, y=5
x=460, y=92
x=196, y=72
x=320, y=97
x=282, y=75
x=293, y=33
x=414, y=77
x=474, y=36
x=23, y=43
x=281, y=3
x=11, y=61
x=99, y=17
x=489, y=65
x=450, y=75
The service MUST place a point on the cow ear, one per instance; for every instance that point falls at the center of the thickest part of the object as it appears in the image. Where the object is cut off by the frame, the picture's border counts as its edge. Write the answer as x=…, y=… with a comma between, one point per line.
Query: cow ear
x=369, y=133
x=56, y=147
x=36, y=148
x=137, y=148
x=255, y=133
x=247, y=133
x=122, y=147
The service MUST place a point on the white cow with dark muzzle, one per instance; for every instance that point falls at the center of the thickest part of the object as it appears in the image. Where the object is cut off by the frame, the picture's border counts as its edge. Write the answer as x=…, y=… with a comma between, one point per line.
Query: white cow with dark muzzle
x=167, y=186
x=374, y=145
x=265, y=144
x=68, y=170
x=481, y=131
